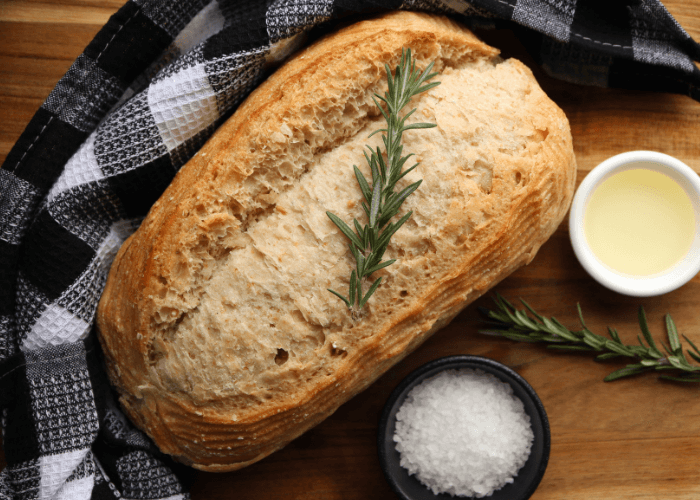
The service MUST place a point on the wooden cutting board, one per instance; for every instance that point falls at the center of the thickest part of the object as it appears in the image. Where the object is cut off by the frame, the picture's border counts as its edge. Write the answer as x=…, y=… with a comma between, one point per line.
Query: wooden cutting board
x=637, y=438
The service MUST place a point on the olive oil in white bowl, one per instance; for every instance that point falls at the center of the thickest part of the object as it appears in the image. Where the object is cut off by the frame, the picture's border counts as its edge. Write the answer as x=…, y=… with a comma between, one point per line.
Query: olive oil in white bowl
x=635, y=223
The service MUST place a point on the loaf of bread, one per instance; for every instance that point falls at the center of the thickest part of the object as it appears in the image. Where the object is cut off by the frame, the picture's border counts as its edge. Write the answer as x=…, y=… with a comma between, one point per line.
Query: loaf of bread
x=218, y=329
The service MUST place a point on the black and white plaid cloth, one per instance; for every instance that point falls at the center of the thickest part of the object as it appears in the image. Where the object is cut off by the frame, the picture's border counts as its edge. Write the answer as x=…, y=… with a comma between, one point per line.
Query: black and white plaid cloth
x=132, y=109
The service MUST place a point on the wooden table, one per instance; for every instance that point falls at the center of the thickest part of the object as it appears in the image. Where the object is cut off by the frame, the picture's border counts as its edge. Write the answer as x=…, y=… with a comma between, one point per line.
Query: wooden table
x=636, y=438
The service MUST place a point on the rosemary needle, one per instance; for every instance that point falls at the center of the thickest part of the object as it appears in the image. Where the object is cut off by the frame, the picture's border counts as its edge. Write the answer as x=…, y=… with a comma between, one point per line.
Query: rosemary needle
x=518, y=325
x=381, y=203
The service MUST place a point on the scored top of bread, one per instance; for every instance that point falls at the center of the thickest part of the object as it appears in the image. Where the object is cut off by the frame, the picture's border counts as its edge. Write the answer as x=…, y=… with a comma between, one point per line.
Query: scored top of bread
x=218, y=329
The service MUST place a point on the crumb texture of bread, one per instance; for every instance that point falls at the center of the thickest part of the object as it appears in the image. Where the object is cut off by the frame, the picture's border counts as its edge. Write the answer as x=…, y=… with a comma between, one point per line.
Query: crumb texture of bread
x=218, y=329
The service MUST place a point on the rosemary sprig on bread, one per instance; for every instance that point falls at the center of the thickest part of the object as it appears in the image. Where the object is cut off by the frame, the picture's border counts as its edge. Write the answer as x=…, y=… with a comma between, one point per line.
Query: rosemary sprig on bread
x=381, y=203
x=517, y=324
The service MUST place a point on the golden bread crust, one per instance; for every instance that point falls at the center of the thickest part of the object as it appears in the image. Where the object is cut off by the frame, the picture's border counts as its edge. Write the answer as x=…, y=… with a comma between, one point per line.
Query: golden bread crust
x=216, y=324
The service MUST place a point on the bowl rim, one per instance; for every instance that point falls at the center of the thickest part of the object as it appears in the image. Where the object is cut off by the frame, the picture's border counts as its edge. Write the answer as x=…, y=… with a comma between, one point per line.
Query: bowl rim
x=635, y=286
x=434, y=367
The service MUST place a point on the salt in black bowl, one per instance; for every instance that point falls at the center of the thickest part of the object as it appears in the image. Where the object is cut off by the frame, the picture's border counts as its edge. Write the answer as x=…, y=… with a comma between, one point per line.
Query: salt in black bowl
x=524, y=484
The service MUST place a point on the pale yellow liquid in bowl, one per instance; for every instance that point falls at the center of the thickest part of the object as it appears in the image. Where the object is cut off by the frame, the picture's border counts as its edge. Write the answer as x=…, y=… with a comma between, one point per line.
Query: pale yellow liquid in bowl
x=639, y=222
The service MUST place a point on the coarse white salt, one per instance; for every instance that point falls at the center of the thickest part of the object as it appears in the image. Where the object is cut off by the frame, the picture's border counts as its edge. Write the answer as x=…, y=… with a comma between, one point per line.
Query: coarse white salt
x=463, y=432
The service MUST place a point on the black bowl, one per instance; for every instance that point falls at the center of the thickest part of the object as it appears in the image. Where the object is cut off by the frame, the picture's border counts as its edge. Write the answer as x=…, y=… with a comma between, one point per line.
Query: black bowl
x=525, y=483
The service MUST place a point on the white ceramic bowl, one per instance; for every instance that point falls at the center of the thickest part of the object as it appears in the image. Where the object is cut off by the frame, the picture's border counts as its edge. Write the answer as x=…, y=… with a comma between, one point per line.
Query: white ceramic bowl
x=638, y=286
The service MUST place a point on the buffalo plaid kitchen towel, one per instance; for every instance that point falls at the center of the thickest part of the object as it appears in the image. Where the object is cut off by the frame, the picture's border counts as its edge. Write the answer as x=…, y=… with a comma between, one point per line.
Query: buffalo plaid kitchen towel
x=132, y=109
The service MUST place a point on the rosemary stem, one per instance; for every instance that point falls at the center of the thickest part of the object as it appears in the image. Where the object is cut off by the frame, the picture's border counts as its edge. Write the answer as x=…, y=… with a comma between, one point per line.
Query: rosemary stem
x=368, y=243
x=529, y=326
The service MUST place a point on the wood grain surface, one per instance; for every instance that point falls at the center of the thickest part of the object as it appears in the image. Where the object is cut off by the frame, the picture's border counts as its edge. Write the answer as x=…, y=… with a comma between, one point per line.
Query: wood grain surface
x=632, y=439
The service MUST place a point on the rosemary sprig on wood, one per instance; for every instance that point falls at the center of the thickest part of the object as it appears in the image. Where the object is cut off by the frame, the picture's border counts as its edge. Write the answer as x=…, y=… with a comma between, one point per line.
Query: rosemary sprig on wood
x=518, y=325
x=369, y=242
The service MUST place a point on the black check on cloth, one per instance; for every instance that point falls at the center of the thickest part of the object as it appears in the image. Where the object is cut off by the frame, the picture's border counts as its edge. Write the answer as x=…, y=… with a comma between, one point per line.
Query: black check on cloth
x=140, y=100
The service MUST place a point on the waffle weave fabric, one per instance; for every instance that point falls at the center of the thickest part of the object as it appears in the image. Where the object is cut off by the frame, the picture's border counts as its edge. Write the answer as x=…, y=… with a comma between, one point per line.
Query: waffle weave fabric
x=139, y=101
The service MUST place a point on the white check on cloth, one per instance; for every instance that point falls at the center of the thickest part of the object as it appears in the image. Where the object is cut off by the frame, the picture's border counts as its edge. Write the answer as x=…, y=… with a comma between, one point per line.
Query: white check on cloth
x=140, y=100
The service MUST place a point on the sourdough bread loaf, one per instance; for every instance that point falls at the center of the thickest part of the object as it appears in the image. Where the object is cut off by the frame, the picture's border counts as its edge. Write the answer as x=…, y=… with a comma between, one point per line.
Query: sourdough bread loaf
x=218, y=329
